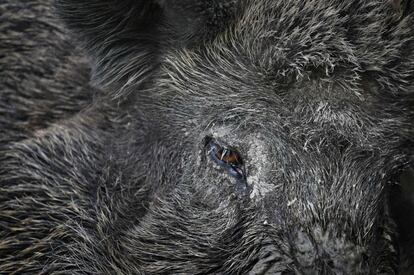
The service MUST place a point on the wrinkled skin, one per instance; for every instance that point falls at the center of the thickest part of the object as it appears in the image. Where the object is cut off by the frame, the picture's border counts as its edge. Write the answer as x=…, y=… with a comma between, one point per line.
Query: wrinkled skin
x=109, y=109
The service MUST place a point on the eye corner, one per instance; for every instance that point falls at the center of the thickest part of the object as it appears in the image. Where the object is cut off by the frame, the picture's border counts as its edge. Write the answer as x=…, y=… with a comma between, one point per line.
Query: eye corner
x=207, y=140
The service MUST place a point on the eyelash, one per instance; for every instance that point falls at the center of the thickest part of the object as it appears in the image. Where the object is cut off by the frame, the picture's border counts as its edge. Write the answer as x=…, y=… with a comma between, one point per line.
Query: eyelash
x=226, y=157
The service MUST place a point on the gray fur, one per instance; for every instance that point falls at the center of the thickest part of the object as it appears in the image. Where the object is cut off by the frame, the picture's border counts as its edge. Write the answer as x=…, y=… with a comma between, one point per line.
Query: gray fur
x=106, y=105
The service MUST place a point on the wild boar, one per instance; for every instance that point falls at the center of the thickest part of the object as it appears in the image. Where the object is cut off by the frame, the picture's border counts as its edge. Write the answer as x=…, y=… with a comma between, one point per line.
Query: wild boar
x=205, y=137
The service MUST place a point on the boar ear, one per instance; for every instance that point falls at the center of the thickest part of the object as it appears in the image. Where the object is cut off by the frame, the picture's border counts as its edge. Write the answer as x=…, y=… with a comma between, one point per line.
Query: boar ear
x=125, y=38
x=194, y=21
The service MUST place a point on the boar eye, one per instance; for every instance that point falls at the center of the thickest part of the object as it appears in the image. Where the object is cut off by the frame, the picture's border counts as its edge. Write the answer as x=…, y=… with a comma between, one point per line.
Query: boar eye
x=226, y=157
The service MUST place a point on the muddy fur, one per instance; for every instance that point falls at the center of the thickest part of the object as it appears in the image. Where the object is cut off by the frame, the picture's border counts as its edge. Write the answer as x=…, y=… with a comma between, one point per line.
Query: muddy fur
x=106, y=107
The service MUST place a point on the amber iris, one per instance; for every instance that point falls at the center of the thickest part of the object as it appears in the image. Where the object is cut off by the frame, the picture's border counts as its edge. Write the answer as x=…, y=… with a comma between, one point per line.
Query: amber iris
x=227, y=155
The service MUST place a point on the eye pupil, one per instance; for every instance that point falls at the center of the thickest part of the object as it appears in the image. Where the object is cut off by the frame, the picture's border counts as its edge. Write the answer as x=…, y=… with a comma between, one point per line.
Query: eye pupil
x=230, y=157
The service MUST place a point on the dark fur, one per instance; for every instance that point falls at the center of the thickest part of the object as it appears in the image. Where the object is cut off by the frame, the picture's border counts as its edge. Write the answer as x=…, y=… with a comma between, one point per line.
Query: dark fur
x=112, y=176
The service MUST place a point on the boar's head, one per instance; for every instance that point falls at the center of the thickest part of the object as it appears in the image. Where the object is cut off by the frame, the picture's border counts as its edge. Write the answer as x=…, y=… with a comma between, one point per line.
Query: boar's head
x=258, y=137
